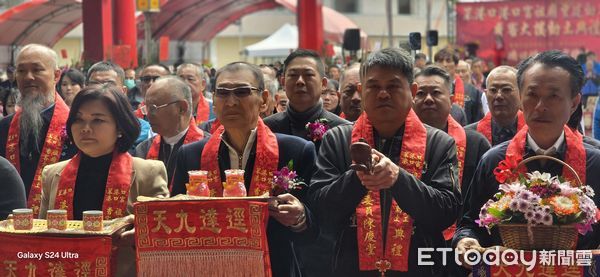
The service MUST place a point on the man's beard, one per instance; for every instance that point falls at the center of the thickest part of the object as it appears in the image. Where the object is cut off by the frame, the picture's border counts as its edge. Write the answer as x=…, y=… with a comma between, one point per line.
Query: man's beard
x=31, y=122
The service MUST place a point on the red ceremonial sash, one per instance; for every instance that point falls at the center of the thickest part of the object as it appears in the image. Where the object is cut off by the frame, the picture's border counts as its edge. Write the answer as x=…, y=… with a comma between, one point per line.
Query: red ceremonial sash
x=215, y=125
x=368, y=213
x=117, y=186
x=193, y=134
x=459, y=92
x=343, y=115
x=265, y=163
x=485, y=125
x=460, y=138
x=50, y=151
x=575, y=155
x=203, y=110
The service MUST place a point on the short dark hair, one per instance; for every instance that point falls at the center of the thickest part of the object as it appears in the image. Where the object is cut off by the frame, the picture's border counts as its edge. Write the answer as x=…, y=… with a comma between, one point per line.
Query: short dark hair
x=554, y=58
x=118, y=105
x=238, y=66
x=104, y=66
x=434, y=70
x=75, y=75
x=389, y=58
x=305, y=53
x=446, y=53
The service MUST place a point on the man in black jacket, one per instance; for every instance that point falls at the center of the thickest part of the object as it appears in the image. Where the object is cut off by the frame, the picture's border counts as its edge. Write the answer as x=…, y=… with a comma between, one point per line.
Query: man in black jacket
x=244, y=142
x=304, y=80
x=412, y=194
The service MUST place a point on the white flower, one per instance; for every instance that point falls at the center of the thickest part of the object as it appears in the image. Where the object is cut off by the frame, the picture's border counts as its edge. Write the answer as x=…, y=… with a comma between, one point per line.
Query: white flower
x=514, y=187
x=536, y=175
x=589, y=191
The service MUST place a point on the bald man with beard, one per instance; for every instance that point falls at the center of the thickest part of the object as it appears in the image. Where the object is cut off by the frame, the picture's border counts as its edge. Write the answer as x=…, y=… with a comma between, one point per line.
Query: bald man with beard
x=33, y=137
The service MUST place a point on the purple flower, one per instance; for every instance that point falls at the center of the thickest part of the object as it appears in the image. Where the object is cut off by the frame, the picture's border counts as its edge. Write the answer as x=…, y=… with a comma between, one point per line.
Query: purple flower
x=285, y=180
x=317, y=129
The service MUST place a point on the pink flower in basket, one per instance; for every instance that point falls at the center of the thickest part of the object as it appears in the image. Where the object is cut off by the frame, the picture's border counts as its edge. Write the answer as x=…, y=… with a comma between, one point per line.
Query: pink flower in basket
x=539, y=199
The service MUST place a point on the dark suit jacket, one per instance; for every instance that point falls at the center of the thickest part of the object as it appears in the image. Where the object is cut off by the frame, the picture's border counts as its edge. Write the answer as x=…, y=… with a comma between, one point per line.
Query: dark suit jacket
x=473, y=105
x=29, y=163
x=284, y=123
x=13, y=191
x=281, y=239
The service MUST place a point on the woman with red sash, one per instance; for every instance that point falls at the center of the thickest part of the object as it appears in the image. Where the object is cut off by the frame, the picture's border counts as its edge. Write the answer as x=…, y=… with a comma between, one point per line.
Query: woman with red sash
x=549, y=83
x=102, y=176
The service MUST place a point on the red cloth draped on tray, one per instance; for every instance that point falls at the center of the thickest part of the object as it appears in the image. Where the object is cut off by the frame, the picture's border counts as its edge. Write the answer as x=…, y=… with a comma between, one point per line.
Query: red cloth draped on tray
x=81, y=256
x=215, y=237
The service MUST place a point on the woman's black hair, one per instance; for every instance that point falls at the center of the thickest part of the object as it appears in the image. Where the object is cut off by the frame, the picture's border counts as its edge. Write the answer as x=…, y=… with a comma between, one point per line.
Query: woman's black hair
x=76, y=77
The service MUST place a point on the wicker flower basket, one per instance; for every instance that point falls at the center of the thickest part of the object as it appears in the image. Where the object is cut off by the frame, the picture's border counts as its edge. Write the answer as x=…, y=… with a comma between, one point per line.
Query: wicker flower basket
x=524, y=237
x=538, y=237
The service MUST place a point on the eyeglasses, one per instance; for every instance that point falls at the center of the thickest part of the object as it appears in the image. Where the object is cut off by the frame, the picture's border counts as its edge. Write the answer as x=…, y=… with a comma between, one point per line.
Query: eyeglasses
x=148, y=79
x=239, y=92
x=153, y=109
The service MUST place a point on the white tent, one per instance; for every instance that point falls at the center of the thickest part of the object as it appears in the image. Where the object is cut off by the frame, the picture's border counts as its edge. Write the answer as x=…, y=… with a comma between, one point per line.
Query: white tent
x=278, y=44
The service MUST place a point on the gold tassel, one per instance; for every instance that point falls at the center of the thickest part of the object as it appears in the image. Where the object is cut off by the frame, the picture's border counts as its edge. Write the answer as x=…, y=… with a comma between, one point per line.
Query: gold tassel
x=216, y=262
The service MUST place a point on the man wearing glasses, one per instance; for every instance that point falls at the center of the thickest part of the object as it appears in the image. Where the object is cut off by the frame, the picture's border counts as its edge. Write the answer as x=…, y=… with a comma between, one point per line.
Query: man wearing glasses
x=105, y=72
x=169, y=106
x=193, y=75
x=149, y=74
x=245, y=142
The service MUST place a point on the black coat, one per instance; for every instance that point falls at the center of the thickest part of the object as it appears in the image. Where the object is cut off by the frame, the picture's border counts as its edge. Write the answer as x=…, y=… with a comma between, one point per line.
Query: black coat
x=473, y=105
x=29, y=161
x=293, y=123
x=13, y=191
x=433, y=201
x=281, y=239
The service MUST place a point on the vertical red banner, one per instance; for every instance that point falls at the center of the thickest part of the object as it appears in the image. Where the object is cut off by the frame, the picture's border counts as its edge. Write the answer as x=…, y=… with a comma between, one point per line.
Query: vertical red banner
x=163, y=49
x=310, y=24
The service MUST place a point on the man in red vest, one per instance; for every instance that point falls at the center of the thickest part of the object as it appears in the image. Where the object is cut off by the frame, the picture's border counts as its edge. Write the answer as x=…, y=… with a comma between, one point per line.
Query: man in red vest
x=34, y=136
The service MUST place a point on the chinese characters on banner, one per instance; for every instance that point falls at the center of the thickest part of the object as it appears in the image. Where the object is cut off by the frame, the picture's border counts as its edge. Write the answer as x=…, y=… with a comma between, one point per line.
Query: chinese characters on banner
x=25, y=255
x=213, y=237
x=510, y=31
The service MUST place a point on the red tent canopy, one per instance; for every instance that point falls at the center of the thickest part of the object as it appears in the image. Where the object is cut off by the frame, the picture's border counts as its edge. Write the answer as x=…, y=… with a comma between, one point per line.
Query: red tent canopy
x=201, y=20
x=39, y=21
x=47, y=21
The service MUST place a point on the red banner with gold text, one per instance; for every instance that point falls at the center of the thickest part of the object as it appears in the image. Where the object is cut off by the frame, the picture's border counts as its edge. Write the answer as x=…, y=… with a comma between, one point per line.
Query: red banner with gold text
x=215, y=237
x=510, y=31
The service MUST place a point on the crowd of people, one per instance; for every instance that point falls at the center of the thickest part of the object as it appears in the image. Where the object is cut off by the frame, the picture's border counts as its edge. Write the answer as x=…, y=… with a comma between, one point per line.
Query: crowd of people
x=437, y=130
